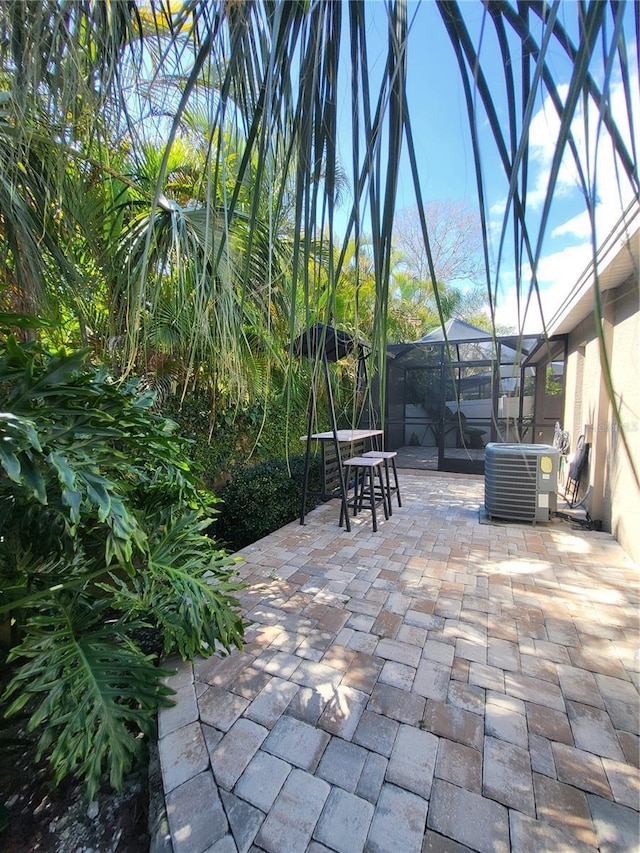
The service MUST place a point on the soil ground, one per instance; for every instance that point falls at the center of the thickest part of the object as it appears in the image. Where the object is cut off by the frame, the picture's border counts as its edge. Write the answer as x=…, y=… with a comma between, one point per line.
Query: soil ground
x=41, y=817
x=51, y=819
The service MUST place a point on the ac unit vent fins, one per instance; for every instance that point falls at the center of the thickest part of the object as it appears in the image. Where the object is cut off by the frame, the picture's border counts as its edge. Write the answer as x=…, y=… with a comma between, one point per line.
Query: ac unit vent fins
x=518, y=484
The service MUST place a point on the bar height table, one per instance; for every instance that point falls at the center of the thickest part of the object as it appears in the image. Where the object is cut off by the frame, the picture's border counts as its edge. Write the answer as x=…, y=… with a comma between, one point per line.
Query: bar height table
x=338, y=437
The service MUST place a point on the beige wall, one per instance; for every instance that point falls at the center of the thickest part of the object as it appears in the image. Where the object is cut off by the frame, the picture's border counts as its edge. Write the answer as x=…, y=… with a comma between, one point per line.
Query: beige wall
x=614, y=496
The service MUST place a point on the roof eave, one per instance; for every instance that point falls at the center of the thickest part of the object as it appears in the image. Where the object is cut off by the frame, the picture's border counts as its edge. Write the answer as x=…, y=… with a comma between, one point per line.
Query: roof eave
x=616, y=260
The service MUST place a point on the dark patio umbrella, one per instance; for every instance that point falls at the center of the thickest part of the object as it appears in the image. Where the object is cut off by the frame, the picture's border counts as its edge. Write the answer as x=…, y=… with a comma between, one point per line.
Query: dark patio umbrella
x=337, y=343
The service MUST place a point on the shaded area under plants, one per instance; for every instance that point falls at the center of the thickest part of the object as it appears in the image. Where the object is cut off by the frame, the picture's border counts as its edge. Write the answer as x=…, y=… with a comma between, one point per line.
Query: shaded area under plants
x=103, y=529
x=263, y=498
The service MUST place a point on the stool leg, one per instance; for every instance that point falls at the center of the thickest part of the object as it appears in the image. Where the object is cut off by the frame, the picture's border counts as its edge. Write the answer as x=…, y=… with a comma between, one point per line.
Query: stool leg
x=388, y=492
x=358, y=491
x=395, y=476
x=386, y=497
x=372, y=498
x=342, y=510
x=347, y=474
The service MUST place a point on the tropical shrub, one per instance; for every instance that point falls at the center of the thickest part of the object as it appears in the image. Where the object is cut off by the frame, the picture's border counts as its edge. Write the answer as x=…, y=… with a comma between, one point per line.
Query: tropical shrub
x=103, y=531
x=263, y=498
x=226, y=438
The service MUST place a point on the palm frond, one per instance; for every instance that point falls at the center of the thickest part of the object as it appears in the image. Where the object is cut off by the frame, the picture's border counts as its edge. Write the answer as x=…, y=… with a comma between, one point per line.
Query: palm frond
x=256, y=86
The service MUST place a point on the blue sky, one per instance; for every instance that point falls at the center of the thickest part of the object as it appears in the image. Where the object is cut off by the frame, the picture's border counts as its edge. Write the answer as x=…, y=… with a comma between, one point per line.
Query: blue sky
x=440, y=127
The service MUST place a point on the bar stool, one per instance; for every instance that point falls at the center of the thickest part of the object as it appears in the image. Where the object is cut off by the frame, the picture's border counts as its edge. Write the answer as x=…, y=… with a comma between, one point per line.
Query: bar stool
x=386, y=456
x=362, y=470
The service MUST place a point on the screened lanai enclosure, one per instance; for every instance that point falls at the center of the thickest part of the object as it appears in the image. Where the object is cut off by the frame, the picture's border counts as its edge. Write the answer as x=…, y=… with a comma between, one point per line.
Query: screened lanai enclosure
x=455, y=390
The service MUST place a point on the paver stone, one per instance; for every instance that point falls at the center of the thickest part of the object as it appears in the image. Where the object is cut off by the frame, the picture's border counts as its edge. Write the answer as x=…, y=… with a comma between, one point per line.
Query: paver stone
x=296, y=742
x=550, y=724
x=504, y=724
x=195, y=814
x=593, y=732
x=398, y=822
x=183, y=754
x=376, y=732
x=235, y=751
x=343, y=711
x=341, y=764
x=372, y=777
x=220, y=708
x=344, y=823
x=616, y=826
x=624, y=780
x=565, y=807
x=413, y=760
x=292, y=819
x=262, y=780
x=469, y=818
x=581, y=769
x=392, y=702
x=244, y=820
x=533, y=836
x=269, y=705
x=461, y=765
x=507, y=775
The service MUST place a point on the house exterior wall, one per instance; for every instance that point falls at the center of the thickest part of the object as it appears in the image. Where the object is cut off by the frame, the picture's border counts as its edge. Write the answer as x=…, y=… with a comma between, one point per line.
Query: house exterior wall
x=614, y=496
x=548, y=409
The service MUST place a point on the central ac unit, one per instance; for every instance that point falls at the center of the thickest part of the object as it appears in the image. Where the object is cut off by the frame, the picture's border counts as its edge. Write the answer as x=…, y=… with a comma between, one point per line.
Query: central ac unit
x=521, y=481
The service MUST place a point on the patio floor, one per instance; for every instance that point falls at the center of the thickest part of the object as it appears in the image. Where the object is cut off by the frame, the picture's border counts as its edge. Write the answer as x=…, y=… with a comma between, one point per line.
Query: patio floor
x=441, y=685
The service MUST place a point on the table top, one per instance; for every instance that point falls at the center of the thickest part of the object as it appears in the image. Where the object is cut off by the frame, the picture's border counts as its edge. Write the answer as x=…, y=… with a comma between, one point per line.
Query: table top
x=345, y=436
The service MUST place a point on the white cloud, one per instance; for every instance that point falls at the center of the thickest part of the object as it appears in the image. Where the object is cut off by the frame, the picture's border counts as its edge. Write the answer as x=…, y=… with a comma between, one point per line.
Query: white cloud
x=521, y=318
x=559, y=270
x=602, y=173
x=557, y=273
x=563, y=268
x=578, y=226
x=542, y=139
x=604, y=177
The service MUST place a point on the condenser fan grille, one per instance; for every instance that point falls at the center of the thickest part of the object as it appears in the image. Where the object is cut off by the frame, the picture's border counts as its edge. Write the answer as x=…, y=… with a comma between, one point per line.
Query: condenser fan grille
x=516, y=486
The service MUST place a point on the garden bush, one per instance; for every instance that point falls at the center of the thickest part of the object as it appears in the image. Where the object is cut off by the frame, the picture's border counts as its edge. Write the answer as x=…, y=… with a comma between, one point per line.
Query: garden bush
x=235, y=438
x=263, y=498
x=103, y=527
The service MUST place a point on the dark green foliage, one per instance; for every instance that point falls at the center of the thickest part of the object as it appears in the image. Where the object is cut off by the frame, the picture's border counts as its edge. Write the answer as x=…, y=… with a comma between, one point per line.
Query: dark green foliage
x=258, y=432
x=263, y=498
x=102, y=526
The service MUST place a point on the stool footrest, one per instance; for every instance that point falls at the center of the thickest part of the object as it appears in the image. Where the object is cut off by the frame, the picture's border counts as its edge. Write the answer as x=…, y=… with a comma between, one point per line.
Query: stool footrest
x=366, y=494
x=387, y=456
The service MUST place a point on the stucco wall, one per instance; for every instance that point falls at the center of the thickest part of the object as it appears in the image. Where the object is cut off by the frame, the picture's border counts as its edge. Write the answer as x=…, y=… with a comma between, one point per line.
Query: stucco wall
x=625, y=354
x=614, y=497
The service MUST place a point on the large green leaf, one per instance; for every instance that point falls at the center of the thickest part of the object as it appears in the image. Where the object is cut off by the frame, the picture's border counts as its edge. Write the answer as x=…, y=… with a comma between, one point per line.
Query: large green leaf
x=89, y=691
x=186, y=589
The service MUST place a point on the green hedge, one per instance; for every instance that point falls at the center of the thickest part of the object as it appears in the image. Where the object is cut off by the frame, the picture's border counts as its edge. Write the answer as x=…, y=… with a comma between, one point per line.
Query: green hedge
x=255, y=434
x=263, y=498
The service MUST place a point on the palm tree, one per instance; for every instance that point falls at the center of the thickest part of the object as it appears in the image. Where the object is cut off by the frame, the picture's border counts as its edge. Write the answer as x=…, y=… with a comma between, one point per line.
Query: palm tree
x=271, y=72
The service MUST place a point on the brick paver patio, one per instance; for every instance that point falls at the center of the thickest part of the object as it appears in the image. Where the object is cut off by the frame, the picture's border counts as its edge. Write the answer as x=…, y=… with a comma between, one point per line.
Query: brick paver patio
x=441, y=685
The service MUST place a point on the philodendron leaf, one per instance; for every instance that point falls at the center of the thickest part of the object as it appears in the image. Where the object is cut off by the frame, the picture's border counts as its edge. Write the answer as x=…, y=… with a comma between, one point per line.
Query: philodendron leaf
x=9, y=320
x=186, y=589
x=93, y=496
x=10, y=463
x=62, y=366
x=73, y=500
x=65, y=472
x=89, y=695
x=32, y=478
x=18, y=431
x=97, y=492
